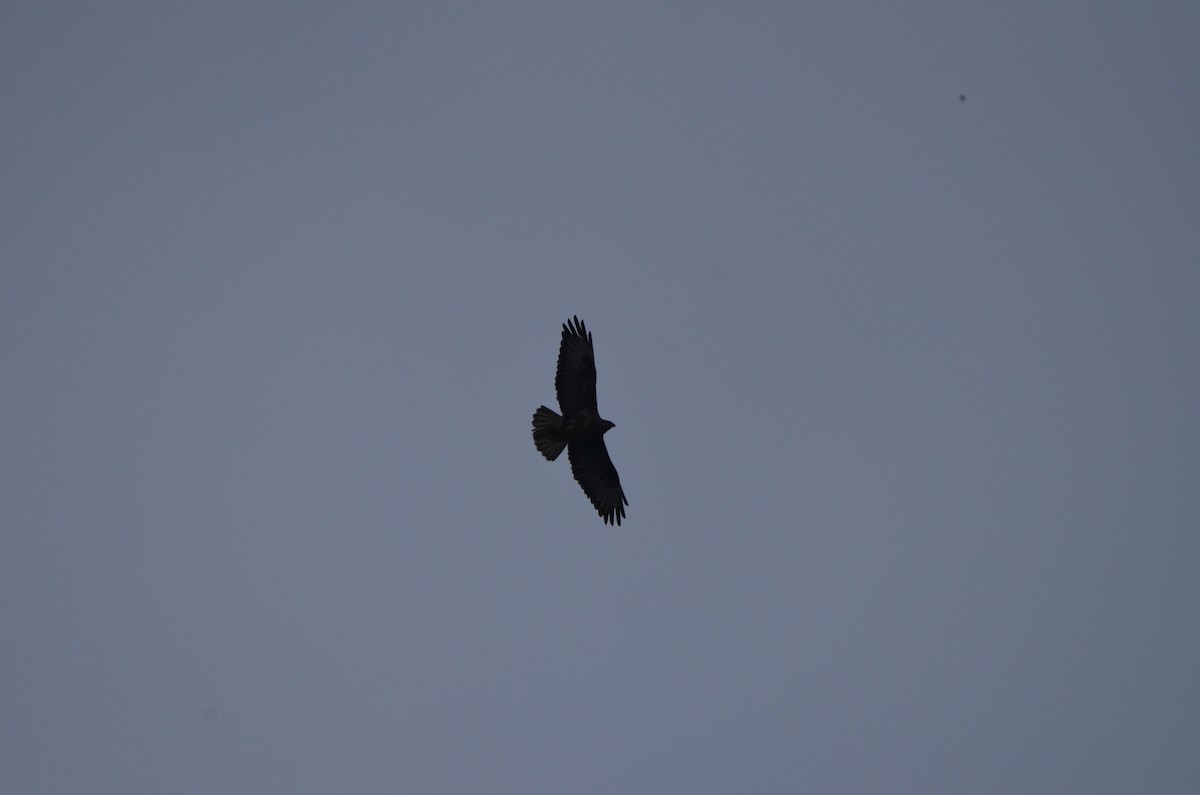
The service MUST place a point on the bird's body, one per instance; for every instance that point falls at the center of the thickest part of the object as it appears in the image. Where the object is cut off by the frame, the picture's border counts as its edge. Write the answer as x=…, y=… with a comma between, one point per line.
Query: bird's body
x=583, y=425
x=580, y=429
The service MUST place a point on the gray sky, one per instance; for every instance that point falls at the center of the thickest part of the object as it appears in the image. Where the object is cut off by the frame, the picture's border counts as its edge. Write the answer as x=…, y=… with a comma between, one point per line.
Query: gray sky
x=906, y=393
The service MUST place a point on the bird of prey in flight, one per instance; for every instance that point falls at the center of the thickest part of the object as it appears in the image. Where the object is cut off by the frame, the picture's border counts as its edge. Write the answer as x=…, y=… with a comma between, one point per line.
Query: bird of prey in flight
x=580, y=429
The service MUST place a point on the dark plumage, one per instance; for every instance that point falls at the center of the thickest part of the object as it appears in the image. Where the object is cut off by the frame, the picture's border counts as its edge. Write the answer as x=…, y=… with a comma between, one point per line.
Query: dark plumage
x=580, y=429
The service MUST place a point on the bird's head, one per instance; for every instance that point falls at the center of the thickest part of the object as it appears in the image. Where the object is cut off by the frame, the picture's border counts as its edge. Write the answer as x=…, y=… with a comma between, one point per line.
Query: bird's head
x=607, y=426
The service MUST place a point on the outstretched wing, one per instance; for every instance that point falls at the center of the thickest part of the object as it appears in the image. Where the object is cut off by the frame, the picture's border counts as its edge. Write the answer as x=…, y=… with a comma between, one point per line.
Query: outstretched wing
x=575, y=381
x=594, y=471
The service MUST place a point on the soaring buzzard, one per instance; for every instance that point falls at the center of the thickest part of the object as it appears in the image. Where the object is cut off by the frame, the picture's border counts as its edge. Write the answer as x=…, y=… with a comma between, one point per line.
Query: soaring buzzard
x=580, y=429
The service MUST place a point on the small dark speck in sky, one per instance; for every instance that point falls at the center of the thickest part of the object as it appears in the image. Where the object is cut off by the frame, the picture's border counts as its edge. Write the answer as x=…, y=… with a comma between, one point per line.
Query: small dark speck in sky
x=962, y=97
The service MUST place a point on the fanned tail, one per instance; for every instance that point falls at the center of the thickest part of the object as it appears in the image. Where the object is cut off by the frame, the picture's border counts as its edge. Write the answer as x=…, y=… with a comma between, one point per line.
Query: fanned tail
x=546, y=437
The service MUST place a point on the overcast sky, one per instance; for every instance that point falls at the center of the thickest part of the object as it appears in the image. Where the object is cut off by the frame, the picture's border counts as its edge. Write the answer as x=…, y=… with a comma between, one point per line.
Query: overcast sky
x=896, y=309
